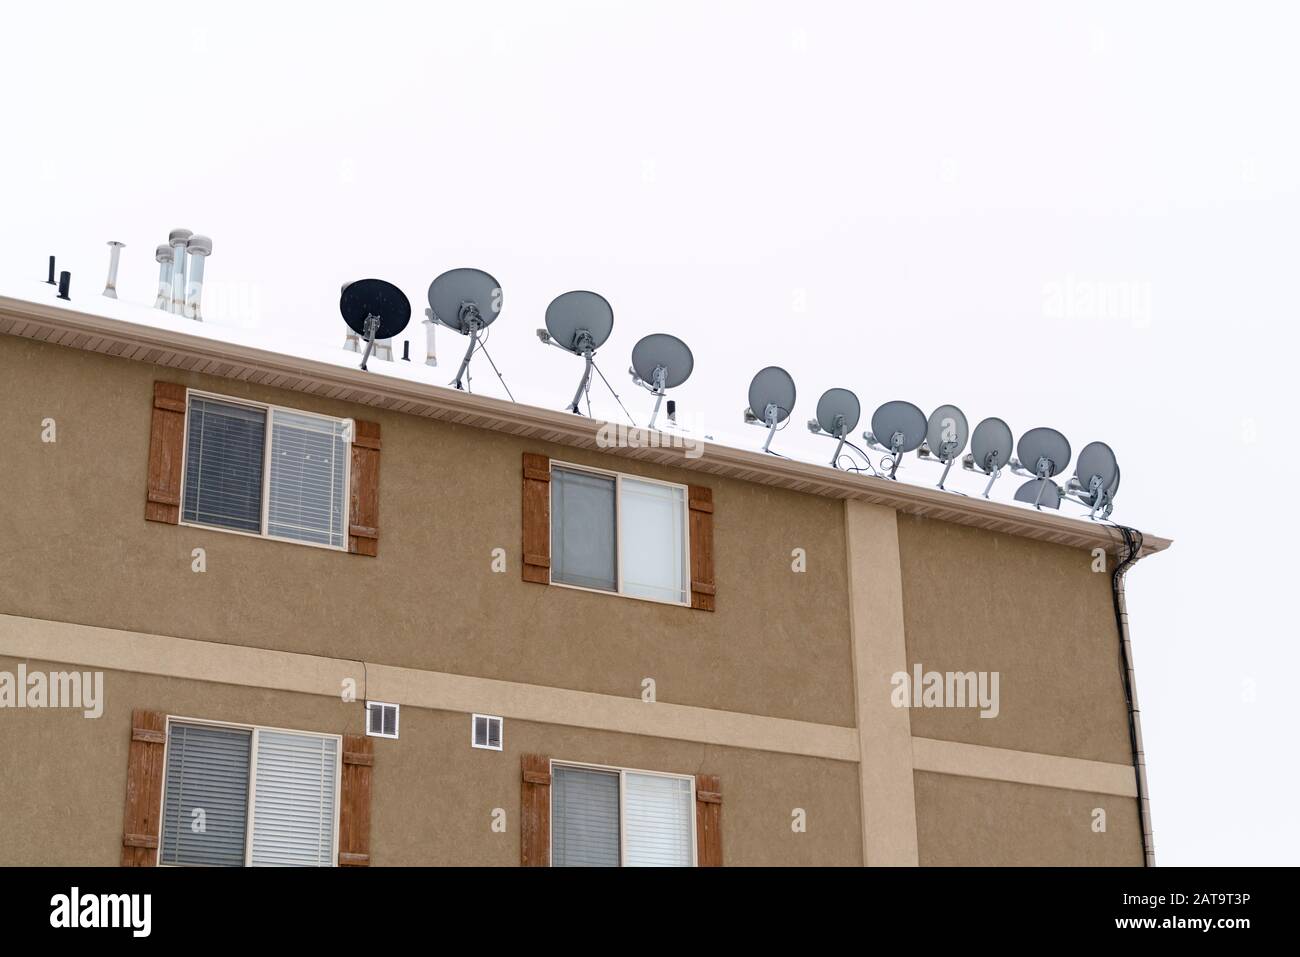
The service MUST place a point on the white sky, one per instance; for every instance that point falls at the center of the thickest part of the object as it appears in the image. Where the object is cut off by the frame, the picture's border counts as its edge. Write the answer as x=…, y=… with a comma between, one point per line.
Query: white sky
x=918, y=201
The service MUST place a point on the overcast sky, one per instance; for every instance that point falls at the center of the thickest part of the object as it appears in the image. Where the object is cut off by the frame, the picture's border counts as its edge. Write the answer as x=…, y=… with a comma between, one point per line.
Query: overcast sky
x=1077, y=217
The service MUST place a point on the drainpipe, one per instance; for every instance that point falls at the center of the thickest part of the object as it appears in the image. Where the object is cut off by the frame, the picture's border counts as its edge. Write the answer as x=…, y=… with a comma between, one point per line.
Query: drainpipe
x=1133, y=543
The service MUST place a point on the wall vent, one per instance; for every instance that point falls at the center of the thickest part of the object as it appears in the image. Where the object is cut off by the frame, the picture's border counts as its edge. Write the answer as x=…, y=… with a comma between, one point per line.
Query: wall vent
x=486, y=732
x=381, y=719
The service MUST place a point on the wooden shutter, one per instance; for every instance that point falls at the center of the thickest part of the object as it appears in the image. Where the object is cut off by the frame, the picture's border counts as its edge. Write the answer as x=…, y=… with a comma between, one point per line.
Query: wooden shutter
x=354, y=803
x=363, y=510
x=537, y=518
x=535, y=812
x=702, y=583
x=708, y=820
x=144, y=779
x=166, y=452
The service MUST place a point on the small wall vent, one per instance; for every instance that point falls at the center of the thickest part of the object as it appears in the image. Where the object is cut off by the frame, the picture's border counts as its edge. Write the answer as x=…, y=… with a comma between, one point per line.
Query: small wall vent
x=486, y=732
x=381, y=719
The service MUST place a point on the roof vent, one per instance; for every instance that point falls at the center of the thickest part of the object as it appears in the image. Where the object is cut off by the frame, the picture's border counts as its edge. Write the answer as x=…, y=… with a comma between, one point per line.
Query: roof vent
x=163, y=254
x=199, y=248
x=178, y=239
x=115, y=253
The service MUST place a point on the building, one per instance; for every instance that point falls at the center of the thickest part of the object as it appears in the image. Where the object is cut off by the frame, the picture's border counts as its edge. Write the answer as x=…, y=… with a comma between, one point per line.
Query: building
x=251, y=546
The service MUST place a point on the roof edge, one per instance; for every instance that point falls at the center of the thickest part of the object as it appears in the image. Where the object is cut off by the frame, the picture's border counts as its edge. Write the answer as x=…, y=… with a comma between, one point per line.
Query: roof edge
x=177, y=349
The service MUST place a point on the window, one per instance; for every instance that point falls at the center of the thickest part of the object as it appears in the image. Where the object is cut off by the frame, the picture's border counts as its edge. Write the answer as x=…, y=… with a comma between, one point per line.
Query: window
x=617, y=533
x=607, y=817
x=235, y=796
x=266, y=471
x=381, y=719
x=485, y=731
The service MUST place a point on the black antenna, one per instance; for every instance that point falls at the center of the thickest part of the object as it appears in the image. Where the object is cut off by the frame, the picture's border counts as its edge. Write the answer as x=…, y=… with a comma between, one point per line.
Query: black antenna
x=65, y=283
x=51, y=279
x=406, y=350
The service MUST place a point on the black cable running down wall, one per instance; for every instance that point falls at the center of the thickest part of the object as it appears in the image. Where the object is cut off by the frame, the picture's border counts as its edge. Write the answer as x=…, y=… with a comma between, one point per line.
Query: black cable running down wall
x=1133, y=546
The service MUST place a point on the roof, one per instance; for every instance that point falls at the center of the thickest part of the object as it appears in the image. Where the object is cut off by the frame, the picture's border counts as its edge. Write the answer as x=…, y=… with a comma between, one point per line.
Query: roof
x=147, y=335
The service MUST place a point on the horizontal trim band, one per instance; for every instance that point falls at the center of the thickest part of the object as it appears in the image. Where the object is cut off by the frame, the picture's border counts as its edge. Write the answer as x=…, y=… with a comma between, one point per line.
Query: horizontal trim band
x=1023, y=767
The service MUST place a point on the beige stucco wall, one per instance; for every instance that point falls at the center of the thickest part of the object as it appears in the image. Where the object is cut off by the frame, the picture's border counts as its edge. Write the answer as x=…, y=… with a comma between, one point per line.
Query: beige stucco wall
x=966, y=822
x=1032, y=611
x=77, y=548
x=64, y=780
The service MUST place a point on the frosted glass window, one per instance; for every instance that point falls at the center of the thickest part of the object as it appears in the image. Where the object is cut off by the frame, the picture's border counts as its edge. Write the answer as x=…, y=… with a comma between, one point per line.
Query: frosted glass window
x=653, y=540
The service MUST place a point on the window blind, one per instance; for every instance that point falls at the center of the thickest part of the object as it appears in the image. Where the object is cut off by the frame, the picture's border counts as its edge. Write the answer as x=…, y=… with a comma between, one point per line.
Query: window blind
x=583, y=530
x=658, y=823
x=294, y=799
x=207, y=771
x=653, y=540
x=584, y=818
x=308, y=466
x=225, y=444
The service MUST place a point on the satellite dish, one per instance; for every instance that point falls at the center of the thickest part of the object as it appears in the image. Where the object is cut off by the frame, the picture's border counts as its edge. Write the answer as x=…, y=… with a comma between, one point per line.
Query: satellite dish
x=771, y=399
x=466, y=301
x=660, y=362
x=579, y=322
x=898, y=427
x=1045, y=452
x=838, y=412
x=945, y=436
x=1040, y=492
x=1097, y=477
x=374, y=309
x=991, y=444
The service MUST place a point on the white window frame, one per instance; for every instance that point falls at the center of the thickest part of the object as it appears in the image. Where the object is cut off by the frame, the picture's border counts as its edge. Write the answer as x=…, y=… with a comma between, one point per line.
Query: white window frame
x=622, y=809
x=270, y=409
x=490, y=717
x=618, y=533
x=252, y=780
x=397, y=719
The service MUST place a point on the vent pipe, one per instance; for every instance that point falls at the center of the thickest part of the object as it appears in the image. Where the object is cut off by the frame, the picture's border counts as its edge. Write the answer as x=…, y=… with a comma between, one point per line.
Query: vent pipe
x=65, y=284
x=430, y=347
x=672, y=411
x=200, y=248
x=178, y=238
x=115, y=253
x=51, y=279
x=353, y=342
x=163, y=254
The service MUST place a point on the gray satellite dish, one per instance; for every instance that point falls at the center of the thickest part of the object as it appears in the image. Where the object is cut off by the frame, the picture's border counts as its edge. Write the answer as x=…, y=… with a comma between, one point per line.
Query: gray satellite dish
x=945, y=436
x=579, y=322
x=838, y=412
x=1040, y=492
x=661, y=362
x=466, y=301
x=898, y=427
x=1096, y=477
x=1044, y=452
x=991, y=444
x=771, y=399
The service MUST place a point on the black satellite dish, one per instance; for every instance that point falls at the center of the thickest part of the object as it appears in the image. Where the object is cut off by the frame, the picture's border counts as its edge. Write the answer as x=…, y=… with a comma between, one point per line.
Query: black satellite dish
x=374, y=309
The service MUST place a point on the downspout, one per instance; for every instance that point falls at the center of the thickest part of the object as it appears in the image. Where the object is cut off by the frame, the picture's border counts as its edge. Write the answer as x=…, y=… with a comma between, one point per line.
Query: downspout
x=1133, y=544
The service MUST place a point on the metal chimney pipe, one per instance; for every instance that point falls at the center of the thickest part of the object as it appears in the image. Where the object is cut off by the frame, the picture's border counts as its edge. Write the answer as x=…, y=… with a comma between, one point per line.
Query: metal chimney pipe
x=406, y=350
x=431, y=347
x=200, y=248
x=65, y=284
x=163, y=254
x=178, y=238
x=51, y=280
x=115, y=252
